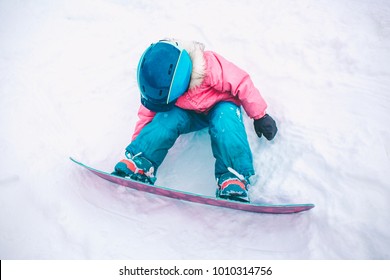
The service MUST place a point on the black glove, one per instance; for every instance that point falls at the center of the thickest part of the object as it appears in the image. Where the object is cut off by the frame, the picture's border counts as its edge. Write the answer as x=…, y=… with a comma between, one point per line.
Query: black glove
x=266, y=126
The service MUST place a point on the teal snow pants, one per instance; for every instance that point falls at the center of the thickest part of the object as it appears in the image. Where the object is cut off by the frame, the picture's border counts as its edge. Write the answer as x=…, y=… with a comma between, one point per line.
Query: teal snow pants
x=226, y=128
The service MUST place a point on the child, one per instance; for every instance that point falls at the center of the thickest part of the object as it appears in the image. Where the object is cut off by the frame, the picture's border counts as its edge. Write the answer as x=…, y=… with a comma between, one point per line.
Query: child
x=184, y=89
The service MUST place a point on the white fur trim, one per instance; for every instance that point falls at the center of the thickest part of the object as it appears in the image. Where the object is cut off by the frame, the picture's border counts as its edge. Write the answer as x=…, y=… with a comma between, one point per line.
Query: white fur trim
x=195, y=50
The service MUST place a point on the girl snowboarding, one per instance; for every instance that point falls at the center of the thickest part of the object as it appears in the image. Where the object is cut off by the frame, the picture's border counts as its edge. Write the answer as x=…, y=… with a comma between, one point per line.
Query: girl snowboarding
x=184, y=89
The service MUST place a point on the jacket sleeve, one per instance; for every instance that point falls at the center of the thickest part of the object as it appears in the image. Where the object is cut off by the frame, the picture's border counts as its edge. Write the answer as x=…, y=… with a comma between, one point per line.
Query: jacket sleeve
x=227, y=77
x=145, y=116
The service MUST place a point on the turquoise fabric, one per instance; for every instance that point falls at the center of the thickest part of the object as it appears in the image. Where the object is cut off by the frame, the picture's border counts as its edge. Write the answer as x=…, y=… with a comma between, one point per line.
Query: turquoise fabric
x=227, y=133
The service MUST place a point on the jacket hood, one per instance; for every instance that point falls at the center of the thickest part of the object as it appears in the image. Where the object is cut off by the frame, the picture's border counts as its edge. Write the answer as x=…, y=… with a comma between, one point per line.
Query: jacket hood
x=195, y=50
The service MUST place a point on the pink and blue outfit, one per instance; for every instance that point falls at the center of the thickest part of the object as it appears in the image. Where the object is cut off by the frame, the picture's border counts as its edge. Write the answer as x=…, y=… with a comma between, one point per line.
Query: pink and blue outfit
x=185, y=89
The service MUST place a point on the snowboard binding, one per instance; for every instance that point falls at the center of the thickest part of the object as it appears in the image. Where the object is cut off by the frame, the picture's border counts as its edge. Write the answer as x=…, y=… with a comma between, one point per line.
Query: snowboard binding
x=137, y=168
x=233, y=186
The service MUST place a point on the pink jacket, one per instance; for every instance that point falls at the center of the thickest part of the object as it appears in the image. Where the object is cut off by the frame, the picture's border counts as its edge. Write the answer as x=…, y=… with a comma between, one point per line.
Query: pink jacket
x=221, y=80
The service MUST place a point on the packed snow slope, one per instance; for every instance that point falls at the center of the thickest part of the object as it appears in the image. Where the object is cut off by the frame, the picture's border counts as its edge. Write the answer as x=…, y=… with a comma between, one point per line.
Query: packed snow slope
x=68, y=88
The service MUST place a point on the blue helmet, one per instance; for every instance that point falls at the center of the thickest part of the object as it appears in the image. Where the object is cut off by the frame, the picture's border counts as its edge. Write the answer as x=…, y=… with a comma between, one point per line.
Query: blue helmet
x=163, y=75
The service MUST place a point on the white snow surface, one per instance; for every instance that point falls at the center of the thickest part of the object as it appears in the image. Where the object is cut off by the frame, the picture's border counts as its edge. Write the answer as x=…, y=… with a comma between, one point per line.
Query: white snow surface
x=68, y=88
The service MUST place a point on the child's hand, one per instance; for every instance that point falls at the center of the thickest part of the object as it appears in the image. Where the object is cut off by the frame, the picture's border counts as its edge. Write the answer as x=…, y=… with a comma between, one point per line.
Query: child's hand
x=266, y=126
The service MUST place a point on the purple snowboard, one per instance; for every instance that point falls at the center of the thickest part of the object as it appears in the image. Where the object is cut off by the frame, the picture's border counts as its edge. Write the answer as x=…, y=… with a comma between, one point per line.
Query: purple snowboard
x=251, y=207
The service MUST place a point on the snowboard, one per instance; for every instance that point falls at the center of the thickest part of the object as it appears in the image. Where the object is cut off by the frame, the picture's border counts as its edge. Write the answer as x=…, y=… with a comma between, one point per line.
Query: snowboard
x=197, y=198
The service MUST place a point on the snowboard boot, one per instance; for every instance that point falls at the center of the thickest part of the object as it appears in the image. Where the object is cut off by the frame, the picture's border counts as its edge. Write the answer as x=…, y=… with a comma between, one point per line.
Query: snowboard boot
x=233, y=186
x=135, y=167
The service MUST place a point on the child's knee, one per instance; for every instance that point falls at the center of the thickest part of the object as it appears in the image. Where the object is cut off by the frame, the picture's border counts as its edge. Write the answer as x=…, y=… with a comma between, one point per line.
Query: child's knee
x=176, y=119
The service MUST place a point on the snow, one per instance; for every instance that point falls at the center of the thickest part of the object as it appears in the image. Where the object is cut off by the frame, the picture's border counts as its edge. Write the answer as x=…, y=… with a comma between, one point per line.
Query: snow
x=68, y=88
